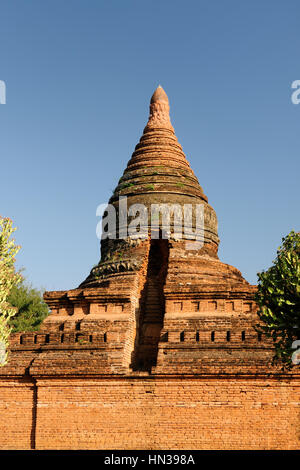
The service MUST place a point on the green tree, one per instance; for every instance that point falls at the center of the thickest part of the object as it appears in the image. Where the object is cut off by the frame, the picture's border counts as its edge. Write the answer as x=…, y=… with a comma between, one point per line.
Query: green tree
x=278, y=298
x=31, y=308
x=8, y=279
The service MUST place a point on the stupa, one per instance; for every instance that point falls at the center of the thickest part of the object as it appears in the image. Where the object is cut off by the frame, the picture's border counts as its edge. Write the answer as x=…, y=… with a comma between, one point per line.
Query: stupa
x=156, y=349
x=154, y=289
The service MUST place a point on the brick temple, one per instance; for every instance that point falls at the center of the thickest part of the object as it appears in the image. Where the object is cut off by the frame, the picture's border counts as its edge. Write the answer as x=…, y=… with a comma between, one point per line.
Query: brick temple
x=156, y=349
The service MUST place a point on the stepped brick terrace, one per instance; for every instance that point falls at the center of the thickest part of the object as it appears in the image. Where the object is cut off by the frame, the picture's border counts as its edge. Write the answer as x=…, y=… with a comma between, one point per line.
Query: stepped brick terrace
x=156, y=349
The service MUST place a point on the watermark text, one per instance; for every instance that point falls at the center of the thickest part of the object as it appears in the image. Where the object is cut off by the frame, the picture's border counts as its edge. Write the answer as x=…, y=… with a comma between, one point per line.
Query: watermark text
x=296, y=94
x=2, y=92
x=165, y=221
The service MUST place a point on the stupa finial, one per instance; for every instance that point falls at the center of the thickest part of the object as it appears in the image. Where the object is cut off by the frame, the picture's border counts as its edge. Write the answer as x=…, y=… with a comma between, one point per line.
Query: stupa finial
x=159, y=110
x=159, y=95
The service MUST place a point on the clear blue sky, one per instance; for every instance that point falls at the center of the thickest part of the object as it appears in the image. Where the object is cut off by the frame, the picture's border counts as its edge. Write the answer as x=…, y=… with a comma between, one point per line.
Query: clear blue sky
x=79, y=76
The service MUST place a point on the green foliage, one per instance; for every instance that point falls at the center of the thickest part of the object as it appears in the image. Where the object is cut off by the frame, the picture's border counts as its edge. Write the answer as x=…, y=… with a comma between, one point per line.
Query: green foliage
x=150, y=186
x=127, y=185
x=31, y=308
x=278, y=298
x=8, y=278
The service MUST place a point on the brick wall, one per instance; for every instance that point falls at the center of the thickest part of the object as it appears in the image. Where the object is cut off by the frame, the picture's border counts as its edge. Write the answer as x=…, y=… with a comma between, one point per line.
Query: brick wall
x=17, y=411
x=151, y=413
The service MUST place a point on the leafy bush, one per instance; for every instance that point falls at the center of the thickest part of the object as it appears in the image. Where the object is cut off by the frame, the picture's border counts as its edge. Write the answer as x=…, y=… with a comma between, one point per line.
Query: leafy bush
x=278, y=297
x=31, y=308
x=8, y=278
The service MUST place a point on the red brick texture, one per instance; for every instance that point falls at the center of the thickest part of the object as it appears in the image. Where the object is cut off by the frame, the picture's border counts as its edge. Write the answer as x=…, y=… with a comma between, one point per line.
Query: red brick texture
x=17, y=411
x=152, y=413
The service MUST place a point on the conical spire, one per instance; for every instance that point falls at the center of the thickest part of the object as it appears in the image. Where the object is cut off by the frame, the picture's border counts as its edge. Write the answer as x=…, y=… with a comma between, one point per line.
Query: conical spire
x=158, y=145
x=157, y=173
x=158, y=162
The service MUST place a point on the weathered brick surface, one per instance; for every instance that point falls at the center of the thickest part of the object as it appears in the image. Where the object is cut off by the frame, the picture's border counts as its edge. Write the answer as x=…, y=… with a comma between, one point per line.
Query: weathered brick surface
x=151, y=413
x=155, y=413
x=17, y=411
